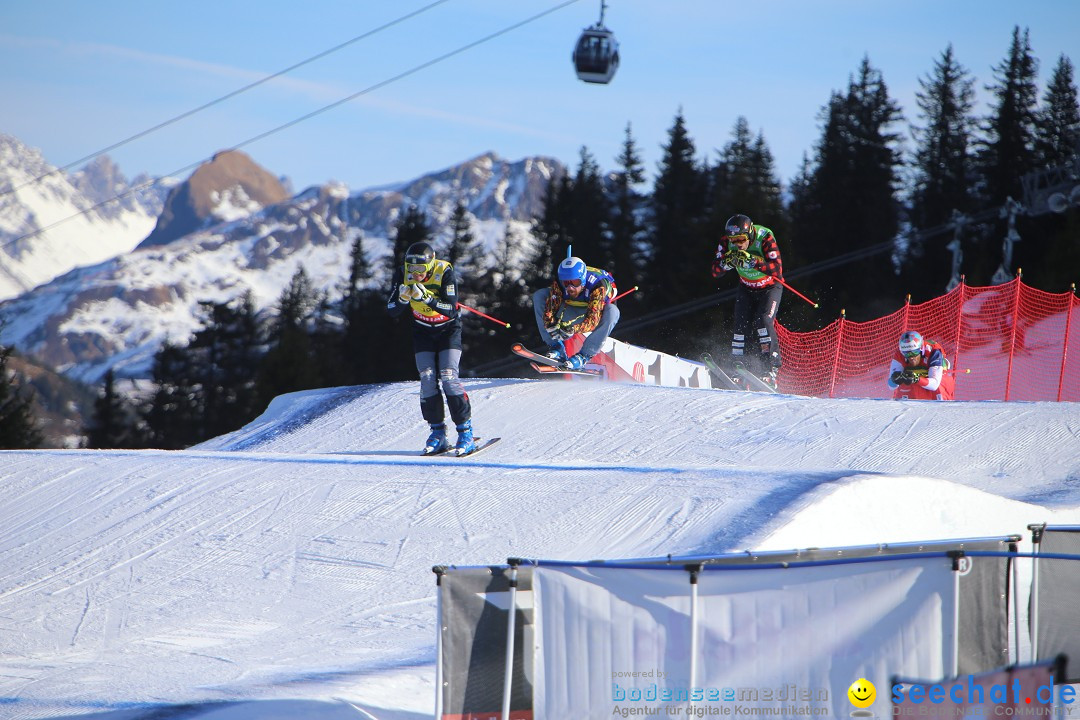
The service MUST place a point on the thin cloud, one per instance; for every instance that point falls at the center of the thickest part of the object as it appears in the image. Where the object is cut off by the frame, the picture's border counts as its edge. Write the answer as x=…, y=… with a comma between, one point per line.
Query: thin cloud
x=320, y=92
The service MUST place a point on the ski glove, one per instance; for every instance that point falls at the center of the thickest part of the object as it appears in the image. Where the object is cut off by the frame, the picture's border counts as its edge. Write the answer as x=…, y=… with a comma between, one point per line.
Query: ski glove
x=719, y=267
x=739, y=258
x=904, y=377
x=416, y=291
x=562, y=329
x=426, y=296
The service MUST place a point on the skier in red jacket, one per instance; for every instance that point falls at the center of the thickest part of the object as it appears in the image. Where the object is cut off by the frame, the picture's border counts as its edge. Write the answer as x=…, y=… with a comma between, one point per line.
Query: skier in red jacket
x=920, y=370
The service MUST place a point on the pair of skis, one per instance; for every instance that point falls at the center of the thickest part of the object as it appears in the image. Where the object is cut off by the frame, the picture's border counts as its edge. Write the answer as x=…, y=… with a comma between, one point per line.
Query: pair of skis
x=481, y=444
x=545, y=365
x=747, y=378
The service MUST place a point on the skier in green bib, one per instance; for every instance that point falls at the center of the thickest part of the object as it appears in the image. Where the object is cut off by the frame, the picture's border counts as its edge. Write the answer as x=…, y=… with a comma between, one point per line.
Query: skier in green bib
x=752, y=252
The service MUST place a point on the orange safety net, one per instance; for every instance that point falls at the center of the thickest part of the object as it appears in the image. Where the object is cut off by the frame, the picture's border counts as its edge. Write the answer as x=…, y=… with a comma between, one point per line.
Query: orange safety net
x=1005, y=342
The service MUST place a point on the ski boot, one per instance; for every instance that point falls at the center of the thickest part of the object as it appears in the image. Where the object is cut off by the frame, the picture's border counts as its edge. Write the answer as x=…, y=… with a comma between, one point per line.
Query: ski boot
x=575, y=362
x=770, y=378
x=557, y=352
x=465, y=442
x=436, y=442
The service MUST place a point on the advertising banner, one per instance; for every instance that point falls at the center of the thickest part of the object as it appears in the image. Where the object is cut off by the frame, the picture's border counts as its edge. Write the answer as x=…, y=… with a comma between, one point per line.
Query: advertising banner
x=789, y=641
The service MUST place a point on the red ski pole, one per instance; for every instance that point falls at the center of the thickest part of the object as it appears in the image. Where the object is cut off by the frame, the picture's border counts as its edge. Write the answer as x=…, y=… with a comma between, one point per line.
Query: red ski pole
x=799, y=294
x=624, y=293
x=487, y=317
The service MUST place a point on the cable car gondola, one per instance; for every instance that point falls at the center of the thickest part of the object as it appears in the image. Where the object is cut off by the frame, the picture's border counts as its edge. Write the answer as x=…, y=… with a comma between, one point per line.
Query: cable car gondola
x=596, y=55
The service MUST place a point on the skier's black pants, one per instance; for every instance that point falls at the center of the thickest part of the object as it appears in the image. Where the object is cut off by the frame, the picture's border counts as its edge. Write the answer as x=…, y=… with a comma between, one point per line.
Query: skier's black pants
x=754, y=334
x=438, y=355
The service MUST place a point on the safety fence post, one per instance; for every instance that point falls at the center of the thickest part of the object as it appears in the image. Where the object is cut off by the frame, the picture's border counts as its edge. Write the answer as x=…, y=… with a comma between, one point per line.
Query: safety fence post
x=1065, y=345
x=439, y=571
x=836, y=353
x=962, y=289
x=1012, y=335
x=508, y=673
x=694, y=570
x=959, y=561
x=1037, y=531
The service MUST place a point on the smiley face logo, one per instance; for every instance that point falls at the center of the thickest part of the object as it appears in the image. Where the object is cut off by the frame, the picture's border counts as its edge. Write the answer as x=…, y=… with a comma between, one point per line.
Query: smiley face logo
x=862, y=693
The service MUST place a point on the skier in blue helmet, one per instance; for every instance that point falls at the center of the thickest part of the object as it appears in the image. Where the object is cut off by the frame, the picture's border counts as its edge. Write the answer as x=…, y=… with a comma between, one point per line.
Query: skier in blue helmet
x=578, y=301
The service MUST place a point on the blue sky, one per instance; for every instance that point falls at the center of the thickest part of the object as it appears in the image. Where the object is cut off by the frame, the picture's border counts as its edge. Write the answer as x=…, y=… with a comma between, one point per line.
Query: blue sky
x=80, y=76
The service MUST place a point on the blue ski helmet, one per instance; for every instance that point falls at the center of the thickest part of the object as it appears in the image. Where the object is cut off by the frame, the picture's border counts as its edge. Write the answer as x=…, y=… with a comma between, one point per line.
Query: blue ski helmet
x=911, y=343
x=572, y=269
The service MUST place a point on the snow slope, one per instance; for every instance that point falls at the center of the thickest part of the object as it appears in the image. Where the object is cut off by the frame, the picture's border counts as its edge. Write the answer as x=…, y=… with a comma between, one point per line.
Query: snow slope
x=284, y=570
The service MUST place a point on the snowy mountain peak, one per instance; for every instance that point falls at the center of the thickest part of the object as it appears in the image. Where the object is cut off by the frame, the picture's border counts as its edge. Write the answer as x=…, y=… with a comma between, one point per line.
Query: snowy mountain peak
x=117, y=314
x=229, y=187
x=51, y=222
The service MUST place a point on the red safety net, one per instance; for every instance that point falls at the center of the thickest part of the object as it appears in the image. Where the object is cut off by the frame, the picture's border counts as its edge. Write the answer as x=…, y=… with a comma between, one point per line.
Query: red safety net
x=1006, y=342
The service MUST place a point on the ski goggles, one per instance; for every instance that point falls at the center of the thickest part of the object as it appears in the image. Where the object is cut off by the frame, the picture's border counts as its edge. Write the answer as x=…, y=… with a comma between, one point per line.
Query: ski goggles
x=912, y=354
x=418, y=264
x=740, y=238
x=571, y=284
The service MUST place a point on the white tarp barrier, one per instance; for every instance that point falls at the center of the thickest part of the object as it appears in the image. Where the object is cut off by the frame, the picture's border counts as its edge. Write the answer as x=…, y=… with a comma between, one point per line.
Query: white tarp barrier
x=616, y=641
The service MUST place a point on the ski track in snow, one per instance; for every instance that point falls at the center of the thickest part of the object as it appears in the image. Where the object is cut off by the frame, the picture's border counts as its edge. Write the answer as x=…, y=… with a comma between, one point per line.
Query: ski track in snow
x=292, y=558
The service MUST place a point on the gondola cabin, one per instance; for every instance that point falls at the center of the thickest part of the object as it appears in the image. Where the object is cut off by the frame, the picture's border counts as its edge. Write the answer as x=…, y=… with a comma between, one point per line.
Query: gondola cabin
x=596, y=56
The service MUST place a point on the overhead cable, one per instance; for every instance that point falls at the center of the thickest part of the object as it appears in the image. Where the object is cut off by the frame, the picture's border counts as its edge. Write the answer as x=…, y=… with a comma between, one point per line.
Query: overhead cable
x=221, y=99
x=412, y=71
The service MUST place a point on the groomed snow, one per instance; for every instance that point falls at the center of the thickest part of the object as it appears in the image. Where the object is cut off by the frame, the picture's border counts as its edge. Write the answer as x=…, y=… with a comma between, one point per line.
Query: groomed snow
x=284, y=570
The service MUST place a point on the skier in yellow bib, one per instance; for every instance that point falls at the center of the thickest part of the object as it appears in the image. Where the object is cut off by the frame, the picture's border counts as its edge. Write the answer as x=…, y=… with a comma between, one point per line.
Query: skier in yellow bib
x=426, y=288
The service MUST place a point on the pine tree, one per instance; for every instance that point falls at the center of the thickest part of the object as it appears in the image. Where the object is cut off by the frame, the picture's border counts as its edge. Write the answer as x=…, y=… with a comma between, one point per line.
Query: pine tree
x=853, y=204
x=18, y=425
x=360, y=276
x=1006, y=153
x=589, y=214
x=1009, y=148
x=113, y=423
x=511, y=290
x=174, y=412
x=290, y=363
x=364, y=316
x=744, y=181
x=466, y=253
x=411, y=227
x=682, y=253
x=551, y=233
x=226, y=355
x=1049, y=252
x=626, y=226
x=943, y=172
x=1057, y=129
x=800, y=213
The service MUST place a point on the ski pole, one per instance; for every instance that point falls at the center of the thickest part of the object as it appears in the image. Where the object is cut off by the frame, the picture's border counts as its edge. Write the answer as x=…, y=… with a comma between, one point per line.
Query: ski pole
x=799, y=294
x=623, y=294
x=488, y=317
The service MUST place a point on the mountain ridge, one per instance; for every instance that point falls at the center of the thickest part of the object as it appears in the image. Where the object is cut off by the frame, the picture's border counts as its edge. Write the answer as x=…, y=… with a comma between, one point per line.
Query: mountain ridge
x=52, y=222
x=117, y=313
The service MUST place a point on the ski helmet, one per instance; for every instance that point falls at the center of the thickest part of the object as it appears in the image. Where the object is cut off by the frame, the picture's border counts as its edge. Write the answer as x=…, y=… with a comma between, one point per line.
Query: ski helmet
x=739, y=225
x=911, y=343
x=419, y=259
x=572, y=271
